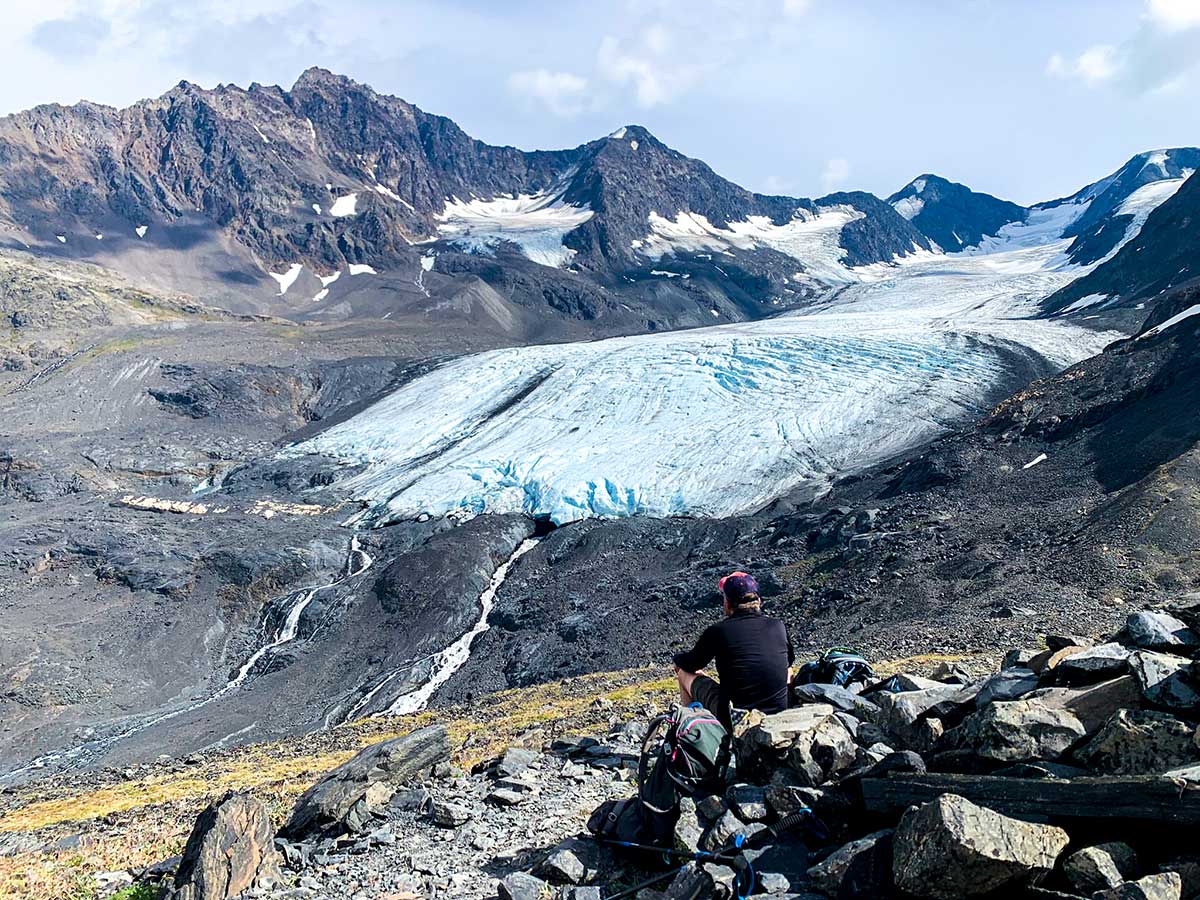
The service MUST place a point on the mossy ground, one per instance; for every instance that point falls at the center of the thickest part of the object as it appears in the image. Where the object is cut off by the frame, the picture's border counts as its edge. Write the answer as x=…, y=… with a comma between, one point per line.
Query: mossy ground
x=128, y=823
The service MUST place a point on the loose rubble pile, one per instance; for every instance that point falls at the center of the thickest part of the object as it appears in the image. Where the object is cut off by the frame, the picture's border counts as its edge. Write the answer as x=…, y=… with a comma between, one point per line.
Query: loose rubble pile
x=1074, y=771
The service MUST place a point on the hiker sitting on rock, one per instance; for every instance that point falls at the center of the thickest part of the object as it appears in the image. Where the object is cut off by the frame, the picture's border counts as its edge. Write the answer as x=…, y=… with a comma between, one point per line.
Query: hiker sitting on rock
x=752, y=652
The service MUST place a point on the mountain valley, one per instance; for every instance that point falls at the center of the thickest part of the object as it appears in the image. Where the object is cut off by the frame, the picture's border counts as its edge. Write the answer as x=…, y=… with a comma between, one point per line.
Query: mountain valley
x=291, y=379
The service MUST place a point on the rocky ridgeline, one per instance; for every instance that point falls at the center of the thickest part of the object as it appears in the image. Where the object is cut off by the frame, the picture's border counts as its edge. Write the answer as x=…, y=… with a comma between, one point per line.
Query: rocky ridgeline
x=1074, y=771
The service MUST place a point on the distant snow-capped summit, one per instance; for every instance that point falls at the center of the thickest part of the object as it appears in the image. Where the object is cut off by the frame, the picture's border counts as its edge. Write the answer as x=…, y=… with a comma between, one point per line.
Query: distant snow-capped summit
x=952, y=215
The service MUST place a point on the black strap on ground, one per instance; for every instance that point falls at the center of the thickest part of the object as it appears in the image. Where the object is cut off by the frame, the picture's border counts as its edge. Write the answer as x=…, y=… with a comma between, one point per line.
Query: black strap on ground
x=732, y=855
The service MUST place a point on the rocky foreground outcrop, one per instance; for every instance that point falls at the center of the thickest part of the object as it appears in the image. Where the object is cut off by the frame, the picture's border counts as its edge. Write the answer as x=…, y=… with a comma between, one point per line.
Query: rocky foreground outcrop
x=230, y=851
x=1074, y=771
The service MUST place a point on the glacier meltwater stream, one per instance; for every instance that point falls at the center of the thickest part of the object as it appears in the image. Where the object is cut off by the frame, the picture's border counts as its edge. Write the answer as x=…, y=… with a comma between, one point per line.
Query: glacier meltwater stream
x=445, y=662
x=291, y=606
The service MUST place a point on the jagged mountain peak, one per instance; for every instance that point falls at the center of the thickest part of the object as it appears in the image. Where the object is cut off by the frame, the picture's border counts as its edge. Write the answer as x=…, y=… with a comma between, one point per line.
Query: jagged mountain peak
x=951, y=214
x=318, y=75
x=923, y=182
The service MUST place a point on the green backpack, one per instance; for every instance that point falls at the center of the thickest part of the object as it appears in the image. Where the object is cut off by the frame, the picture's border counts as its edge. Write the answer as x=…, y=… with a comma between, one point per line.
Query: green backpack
x=691, y=756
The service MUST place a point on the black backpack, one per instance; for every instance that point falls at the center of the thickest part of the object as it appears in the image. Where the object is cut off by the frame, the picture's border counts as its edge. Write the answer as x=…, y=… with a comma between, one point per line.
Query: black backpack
x=684, y=752
x=838, y=665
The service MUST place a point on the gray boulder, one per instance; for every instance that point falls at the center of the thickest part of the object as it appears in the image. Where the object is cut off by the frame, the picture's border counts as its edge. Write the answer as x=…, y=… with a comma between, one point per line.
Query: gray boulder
x=692, y=881
x=950, y=848
x=1100, y=867
x=1167, y=886
x=723, y=832
x=1159, y=631
x=1188, y=868
x=1019, y=731
x=1139, y=742
x=748, y=801
x=1167, y=681
x=901, y=711
x=689, y=827
x=1093, y=705
x=371, y=777
x=565, y=863
x=1098, y=663
x=1008, y=684
x=522, y=886
x=837, y=697
x=514, y=761
x=861, y=868
x=809, y=740
x=449, y=815
x=231, y=850
x=1018, y=658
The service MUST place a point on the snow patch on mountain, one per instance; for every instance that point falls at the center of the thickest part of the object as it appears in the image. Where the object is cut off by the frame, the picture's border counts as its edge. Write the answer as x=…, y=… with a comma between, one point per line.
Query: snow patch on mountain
x=535, y=223
x=286, y=279
x=1157, y=158
x=346, y=205
x=1173, y=321
x=1150, y=196
x=1085, y=302
x=813, y=240
x=909, y=207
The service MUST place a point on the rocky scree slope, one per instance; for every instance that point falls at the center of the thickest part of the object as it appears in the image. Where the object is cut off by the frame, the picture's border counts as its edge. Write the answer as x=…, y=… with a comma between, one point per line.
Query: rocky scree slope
x=1074, y=769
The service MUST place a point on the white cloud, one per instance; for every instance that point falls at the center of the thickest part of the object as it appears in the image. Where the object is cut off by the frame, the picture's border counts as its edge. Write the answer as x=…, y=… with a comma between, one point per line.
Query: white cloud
x=1160, y=57
x=562, y=93
x=651, y=64
x=662, y=49
x=1175, y=15
x=1093, y=66
x=835, y=174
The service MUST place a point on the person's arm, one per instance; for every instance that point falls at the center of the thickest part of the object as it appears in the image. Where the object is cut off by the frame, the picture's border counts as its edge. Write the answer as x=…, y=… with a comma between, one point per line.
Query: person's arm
x=699, y=656
x=791, y=654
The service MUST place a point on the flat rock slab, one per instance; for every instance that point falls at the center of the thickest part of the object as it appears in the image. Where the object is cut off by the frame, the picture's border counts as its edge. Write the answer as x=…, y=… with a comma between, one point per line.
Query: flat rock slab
x=379, y=770
x=1145, y=797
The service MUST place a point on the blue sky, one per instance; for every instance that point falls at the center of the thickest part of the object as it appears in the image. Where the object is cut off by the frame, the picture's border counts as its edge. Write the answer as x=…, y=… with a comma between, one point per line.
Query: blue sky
x=1024, y=99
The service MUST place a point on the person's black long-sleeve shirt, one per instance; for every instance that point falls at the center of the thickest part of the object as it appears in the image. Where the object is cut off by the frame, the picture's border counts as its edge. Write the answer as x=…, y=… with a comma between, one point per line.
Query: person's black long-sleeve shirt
x=753, y=653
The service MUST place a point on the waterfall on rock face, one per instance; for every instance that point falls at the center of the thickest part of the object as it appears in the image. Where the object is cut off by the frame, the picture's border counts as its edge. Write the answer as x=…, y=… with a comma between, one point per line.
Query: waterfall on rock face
x=453, y=657
x=358, y=561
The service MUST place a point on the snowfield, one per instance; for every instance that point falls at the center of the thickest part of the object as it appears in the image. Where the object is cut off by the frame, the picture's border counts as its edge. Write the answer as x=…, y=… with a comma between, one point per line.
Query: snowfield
x=721, y=420
x=812, y=240
x=536, y=224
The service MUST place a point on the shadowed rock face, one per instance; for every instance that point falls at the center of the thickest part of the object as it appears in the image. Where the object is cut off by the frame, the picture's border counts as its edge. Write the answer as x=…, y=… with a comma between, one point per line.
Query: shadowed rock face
x=953, y=215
